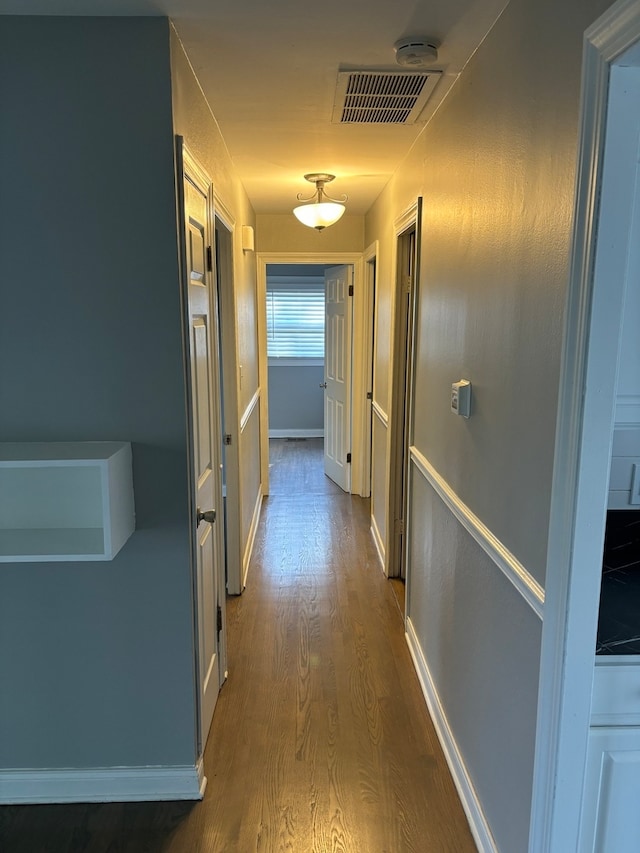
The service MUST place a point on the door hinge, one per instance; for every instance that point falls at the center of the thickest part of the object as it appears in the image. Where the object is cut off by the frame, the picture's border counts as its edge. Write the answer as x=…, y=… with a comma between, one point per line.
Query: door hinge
x=408, y=284
x=209, y=259
x=350, y=290
x=369, y=395
x=399, y=526
x=219, y=621
x=348, y=459
x=227, y=438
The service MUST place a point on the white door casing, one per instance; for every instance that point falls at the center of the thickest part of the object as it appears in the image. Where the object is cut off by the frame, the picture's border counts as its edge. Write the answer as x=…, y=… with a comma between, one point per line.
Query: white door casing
x=206, y=440
x=337, y=366
x=583, y=435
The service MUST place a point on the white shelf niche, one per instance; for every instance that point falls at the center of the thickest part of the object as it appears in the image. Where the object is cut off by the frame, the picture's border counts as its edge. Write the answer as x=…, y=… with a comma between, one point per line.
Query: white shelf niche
x=63, y=501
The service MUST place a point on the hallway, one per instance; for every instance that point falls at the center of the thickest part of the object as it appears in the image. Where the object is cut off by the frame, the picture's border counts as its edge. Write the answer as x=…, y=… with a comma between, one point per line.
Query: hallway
x=320, y=740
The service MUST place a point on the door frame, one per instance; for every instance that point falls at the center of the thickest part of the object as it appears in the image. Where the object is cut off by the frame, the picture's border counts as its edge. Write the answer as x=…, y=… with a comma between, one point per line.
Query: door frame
x=368, y=324
x=586, y=413
x=401, y=372
x=229, y=363
x=188, y=167
x=358, y=384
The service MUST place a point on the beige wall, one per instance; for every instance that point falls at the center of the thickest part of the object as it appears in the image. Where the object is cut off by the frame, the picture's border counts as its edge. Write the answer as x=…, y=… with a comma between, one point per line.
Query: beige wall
x=193, y=120
x=283, y=233
x=496, y=169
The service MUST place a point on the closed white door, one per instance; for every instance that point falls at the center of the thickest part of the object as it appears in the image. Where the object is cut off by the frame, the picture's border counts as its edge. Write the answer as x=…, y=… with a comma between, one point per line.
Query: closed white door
x=337, y=359
x=206, y=440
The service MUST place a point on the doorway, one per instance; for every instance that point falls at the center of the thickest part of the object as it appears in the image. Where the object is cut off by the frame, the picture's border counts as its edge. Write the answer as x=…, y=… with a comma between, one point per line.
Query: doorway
x=267, y=263
x=309, y=321
x=406, y=276
x=230, y=438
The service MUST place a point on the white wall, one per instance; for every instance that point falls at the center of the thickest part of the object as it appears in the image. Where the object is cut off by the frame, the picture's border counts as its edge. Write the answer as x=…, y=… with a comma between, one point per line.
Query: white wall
x=496, y=169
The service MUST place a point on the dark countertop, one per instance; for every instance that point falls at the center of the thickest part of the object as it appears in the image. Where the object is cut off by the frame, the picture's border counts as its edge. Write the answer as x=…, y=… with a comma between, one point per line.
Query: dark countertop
x=619, y=620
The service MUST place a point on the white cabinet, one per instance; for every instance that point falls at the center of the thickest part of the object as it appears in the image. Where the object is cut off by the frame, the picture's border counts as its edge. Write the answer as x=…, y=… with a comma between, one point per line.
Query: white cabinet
x=612, y=781
x=65, y=500
x=611, y=817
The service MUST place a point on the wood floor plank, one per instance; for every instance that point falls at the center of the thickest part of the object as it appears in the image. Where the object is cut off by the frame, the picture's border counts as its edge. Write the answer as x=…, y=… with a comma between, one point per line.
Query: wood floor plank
x=321, y=741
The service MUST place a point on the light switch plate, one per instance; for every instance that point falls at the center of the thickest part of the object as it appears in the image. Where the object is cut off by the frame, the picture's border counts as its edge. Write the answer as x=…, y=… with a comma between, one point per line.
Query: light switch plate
x=461, y=398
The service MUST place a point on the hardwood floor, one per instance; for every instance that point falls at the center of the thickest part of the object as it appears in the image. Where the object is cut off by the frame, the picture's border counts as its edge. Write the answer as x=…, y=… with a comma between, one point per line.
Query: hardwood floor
x=321, y=741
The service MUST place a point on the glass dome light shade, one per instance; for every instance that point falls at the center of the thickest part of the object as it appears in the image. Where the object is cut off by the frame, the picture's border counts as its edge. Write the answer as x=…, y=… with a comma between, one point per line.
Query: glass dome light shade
x=319, y=215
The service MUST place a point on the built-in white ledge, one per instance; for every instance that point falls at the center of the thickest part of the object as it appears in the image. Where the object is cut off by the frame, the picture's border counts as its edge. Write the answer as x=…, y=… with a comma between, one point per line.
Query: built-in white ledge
x=64, y=501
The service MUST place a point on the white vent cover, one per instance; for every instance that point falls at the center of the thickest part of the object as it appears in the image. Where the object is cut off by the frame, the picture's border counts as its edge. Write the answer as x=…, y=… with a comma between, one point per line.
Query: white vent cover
x=382, y=97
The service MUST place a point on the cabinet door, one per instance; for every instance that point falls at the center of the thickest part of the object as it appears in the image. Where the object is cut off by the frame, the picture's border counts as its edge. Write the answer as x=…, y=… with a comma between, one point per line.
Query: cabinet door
x=611, y=817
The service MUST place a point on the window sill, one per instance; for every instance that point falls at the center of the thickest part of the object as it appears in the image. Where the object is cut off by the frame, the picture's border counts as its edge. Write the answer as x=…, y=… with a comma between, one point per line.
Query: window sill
x=295, y=362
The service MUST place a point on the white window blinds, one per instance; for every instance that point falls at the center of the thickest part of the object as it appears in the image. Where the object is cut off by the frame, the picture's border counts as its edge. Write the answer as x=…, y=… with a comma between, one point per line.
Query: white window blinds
x=295, y=320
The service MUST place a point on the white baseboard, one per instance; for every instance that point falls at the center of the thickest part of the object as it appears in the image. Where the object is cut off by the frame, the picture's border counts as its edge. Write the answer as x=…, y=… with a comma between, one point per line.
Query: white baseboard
x=102, y=785
x=251, y=539
x=296, y=433
x=470, y=802
x=377, y=541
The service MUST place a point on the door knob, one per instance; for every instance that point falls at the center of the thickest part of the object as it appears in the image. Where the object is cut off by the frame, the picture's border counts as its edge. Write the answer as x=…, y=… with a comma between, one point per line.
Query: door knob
x=208, y=515
x=323, y=384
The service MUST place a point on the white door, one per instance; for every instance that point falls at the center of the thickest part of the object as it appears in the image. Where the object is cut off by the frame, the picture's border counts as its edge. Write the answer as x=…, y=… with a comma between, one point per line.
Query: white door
x=206, y=440
x=337, y=361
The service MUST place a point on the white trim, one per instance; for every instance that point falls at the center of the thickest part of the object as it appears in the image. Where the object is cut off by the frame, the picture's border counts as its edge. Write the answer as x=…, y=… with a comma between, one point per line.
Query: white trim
x=381, y=417
x=364, y=356
x=406, y=220
x=377, y=541
x=325, y=258
x=253, y=402
x=509, y=565
x=380, y=413
x=580, y=477
x=224, y=240
x=615, y=690
x=296, y=433
x=103, y=785
x=400, y=405
x=627, y=410
x=291, y=361
x=223, y=213
x=251, y=538
x=461, y=779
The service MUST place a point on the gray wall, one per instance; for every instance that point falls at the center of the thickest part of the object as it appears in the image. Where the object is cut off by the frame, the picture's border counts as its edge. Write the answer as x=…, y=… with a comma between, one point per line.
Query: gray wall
x=496, y=169
x=296, y=401
x=96, y=660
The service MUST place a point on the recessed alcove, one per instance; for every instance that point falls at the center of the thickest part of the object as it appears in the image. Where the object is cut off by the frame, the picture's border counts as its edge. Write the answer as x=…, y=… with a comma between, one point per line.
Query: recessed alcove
x=64, y=501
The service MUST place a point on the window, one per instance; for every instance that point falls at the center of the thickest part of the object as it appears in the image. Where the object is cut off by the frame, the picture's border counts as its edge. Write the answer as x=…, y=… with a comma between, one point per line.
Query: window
x=295, y=318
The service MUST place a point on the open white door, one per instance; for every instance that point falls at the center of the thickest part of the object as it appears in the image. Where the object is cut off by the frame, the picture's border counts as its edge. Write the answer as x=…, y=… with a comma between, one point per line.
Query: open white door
x=206, y=440
x=338, y=282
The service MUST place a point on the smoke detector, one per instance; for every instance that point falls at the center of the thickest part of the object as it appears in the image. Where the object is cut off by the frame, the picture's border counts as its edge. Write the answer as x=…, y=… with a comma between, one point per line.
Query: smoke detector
x=415, y=52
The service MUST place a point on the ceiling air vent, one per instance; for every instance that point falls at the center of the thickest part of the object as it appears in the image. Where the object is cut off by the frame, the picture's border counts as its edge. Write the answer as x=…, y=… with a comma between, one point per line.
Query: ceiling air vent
x=382, y=97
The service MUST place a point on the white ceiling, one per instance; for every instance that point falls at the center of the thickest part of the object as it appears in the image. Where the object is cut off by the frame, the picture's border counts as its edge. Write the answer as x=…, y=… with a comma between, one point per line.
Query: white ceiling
x=269, y=70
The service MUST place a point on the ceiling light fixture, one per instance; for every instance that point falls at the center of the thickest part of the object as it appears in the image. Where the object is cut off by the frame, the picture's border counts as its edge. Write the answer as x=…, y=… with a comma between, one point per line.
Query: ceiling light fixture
x=316, y=212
